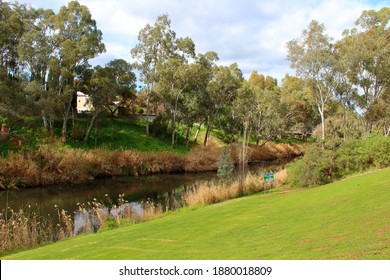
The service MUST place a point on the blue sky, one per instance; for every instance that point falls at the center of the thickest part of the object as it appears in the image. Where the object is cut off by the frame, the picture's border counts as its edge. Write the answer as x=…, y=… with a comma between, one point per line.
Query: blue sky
x=251, y=33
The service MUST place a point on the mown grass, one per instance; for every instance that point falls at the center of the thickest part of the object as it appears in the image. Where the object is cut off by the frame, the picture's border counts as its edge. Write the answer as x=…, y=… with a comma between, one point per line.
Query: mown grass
x=349, y=219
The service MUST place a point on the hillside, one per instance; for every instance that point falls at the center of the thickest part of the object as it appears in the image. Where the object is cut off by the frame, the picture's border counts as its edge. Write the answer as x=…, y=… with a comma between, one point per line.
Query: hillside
x=343, y=220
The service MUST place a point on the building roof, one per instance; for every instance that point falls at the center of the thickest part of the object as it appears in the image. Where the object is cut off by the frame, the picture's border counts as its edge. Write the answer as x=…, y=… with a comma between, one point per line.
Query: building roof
x=81, y=94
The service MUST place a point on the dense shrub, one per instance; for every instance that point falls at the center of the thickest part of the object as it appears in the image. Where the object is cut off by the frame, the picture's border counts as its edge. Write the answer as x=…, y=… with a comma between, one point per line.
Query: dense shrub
x=316, y=167
x=320, y=166
x=358, y=155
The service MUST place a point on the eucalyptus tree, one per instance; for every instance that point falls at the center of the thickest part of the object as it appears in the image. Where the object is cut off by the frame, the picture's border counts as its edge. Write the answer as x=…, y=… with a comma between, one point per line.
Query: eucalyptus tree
x=296, y=102
x=244, y=108
x=203, y=70
x=155, y=44
x=267, y=120
x=220, y=94
x=11, y=30
x=123, y=84
x=368, y=52
x=110, y=88
x=311, y=56
x=37, y=46
x=341, y=80
x=77, y=40
x=175, y=79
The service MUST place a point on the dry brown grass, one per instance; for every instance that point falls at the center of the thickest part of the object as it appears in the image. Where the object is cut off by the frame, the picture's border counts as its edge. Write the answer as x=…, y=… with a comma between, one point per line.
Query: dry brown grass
x=212, y=192
x=281, y=177
x=53, y=164
x=25, y=229
x=202, y=159
x=271, y=151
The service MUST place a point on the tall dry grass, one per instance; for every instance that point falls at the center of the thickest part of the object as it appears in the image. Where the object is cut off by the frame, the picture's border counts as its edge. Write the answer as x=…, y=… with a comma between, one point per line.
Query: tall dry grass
x=210, y=192
x=270, y=151
x=24, y=229
x=56, y=164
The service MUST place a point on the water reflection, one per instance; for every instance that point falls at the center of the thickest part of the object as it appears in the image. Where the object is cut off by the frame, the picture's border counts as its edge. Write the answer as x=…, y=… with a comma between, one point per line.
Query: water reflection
x=163, y=189
x=42, y=200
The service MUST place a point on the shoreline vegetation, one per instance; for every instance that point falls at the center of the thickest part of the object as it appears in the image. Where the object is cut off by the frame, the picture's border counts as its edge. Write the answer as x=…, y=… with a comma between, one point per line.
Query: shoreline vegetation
x=25, y=229
x=240, y=216
x=57, y=164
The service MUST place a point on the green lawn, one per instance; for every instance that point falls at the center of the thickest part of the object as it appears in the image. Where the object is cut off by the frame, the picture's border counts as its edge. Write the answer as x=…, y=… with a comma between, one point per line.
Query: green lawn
x=344, y=220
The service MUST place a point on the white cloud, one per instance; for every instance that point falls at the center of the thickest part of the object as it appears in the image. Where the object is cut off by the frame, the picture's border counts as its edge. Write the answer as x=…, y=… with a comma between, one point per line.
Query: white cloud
x=251, y=33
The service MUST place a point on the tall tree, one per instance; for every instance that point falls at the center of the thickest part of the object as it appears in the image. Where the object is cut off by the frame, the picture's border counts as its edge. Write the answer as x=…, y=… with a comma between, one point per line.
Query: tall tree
x=12, y=28
x=220, y=94
x=244, y=108
x=155, y=43
x=77, y=40
x=175, y=79
x=295, y=99
x=203, y=74
x=368, y=51
x=37, y=46
x=311, y=56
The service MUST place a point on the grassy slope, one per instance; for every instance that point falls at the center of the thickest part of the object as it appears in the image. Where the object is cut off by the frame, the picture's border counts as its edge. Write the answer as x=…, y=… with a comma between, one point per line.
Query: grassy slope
x=126, y=134
x=344, y=220
x=119, y=133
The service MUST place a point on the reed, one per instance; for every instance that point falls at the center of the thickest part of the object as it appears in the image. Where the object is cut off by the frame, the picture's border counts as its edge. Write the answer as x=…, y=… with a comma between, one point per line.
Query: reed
x=24, y=229
x=56, y=164
x=205, y=193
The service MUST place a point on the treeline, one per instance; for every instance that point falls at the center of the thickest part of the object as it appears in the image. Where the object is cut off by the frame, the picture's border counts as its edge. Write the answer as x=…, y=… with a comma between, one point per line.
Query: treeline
x=342, y=86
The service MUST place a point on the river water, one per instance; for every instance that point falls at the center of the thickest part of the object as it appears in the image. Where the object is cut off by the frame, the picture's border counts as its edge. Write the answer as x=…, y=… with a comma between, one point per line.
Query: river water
x=135, y=189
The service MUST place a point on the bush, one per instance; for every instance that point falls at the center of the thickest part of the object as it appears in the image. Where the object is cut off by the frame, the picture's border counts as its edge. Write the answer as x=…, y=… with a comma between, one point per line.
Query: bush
x=314, y=168
x=320, y=166
x=359, y=155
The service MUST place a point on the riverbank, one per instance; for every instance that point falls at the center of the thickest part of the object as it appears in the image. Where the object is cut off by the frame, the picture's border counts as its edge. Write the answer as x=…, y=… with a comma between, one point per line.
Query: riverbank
x=57, y=164
x=342, y=220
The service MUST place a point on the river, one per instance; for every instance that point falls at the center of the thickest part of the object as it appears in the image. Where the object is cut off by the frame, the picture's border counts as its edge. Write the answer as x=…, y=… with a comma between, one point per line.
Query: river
x=157, y=188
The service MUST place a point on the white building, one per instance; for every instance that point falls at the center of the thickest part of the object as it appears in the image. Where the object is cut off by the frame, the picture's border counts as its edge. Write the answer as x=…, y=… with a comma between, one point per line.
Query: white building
x=83, y=103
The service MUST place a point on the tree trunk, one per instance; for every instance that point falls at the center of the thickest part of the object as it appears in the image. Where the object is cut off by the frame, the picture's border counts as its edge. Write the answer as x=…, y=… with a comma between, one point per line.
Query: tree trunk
x=90, y=127
x=173, y=136
x=65, y=121
x=197, y=132
x=147, y=111
x=243, y=158
x=206, y=136
x=45, y=123
x=188, y=135
x=321, y=110
x=344, y=122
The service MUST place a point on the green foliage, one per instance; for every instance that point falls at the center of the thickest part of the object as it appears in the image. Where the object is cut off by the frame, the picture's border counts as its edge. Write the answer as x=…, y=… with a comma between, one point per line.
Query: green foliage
x=225, y=165
x=314, y=168
x=359, y=155
x=112, y=223
x=320, y=166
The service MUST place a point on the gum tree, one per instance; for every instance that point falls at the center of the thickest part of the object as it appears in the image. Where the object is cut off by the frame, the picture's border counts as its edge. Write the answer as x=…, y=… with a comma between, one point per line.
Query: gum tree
x=311, y=57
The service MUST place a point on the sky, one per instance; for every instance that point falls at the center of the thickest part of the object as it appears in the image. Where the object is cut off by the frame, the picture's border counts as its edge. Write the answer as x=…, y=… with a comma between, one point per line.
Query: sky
x=251, y=33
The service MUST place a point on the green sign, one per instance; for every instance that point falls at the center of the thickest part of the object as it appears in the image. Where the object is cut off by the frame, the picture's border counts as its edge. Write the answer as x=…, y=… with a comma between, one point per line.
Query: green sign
x=268, y=177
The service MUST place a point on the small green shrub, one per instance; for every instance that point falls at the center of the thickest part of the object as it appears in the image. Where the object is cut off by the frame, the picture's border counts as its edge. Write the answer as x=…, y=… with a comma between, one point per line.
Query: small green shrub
x=112, y=223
